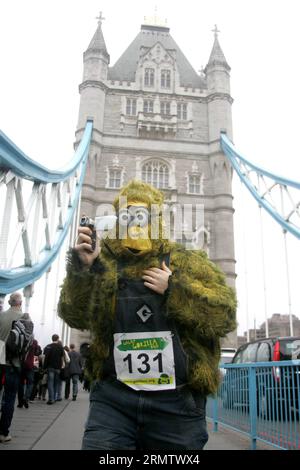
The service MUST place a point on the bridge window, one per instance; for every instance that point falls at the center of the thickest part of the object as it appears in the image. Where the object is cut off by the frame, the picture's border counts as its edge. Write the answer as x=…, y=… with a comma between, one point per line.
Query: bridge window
x=194, y=180
x=156, y=173
x=195, y=184
x=148, y=106
x=182, y=111
x=165, y=107
x=131, y=107
x=165, y=79
x=149, y=77
x=114, y=178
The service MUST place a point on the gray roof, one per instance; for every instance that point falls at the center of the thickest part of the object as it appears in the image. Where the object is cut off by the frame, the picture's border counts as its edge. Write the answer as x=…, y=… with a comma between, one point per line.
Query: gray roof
x=98, y=42
x=217, y=55
x=125, y=68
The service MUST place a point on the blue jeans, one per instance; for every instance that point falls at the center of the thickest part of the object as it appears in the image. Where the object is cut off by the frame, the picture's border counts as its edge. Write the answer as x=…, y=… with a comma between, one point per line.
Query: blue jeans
x=58, y=390
x=25, y=385
x=123, y=419
x=75, y=380
x=53, y=383
x=12, y=379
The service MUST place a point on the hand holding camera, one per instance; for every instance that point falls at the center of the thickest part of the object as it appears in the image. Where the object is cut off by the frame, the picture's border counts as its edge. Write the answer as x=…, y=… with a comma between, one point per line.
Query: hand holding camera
x=86, y=244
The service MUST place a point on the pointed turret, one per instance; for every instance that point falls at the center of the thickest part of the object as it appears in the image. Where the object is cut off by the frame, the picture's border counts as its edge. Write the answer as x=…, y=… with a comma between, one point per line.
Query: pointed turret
x=217, y=56
x=219, y=119
x=96, y=54
x=93, y=87
x=98, y=43
x=217, y=69
x=218, y=87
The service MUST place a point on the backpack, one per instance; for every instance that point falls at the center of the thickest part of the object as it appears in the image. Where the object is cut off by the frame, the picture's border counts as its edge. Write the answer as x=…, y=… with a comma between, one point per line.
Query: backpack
x=19, y=340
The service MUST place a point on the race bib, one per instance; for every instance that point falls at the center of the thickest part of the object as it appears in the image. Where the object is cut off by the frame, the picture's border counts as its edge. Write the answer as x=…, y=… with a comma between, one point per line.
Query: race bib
x=145, y=361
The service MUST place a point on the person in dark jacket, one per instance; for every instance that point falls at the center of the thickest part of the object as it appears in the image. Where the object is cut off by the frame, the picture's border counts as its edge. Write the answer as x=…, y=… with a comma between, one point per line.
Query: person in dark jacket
x=27, y=375
x=75, y=370
x=10, y=371
x=54, y=354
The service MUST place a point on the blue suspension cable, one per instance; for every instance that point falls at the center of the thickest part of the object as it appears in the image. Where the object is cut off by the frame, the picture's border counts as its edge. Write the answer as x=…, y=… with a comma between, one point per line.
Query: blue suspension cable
x=236, y=159
x=17, y=278
x=12, y=158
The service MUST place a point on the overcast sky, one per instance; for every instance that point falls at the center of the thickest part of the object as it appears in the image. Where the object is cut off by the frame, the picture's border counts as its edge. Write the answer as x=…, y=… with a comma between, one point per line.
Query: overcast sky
x=41, y=47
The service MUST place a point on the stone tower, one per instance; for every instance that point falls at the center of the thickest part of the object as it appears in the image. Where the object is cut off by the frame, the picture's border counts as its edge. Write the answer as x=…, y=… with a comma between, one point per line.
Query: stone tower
x=157, y=120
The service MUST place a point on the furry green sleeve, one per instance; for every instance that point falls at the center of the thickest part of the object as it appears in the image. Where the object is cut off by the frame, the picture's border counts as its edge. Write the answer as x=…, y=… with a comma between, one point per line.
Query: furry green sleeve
x=76, y=294
x=199, y=297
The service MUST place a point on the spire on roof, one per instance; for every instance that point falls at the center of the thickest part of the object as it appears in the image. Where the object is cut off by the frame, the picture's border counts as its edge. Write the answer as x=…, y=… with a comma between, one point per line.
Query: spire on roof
x=217, y=56
x=97, y=41
x=100, y=18
x=216, y=31
x=155, y=22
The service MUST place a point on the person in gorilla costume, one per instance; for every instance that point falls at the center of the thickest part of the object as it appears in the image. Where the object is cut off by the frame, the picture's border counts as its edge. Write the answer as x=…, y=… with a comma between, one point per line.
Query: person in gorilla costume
x=156, y=313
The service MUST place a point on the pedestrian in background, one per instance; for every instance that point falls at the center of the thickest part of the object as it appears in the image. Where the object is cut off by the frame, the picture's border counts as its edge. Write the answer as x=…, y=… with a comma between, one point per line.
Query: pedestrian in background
x=64, y=364
x=54, y=354
x=27, y=375
x=10, y=371
x=75, y=368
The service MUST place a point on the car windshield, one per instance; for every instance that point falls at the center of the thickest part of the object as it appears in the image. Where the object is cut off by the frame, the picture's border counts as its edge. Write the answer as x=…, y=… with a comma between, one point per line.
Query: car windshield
x=289, y=349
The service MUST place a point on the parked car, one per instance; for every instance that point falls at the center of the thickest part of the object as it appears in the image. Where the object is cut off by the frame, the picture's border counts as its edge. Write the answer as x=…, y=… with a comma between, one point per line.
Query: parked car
x=277, y=388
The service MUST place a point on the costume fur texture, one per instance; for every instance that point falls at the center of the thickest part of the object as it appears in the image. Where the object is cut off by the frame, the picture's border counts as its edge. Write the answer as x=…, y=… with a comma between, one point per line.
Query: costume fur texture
x=202, y=306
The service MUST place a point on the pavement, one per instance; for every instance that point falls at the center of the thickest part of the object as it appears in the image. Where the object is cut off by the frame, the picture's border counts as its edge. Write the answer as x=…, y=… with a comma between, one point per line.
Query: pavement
x=60, y=427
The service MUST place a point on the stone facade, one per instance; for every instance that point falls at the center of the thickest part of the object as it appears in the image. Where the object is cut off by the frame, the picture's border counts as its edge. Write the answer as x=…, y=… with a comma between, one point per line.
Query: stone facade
x=155, y=118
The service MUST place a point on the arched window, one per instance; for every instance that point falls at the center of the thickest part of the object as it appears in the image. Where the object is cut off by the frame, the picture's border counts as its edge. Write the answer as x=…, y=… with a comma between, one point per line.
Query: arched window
x=148, y=106
x=165, y=108
x=165, y=79
x=182, y=111
x=114, y=178
x=131, y=107
x=156, y=173
x=195, y=184
x=149, y=77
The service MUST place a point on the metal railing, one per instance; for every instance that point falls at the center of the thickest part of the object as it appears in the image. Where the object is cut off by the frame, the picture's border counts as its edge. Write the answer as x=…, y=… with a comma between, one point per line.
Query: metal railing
x=260, y=400
x=38, y=208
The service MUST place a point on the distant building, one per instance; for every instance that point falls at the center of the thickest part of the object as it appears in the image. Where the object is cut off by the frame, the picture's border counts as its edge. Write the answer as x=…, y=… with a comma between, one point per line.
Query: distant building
x=241, y=340
x=254, y=334
x=279, y=325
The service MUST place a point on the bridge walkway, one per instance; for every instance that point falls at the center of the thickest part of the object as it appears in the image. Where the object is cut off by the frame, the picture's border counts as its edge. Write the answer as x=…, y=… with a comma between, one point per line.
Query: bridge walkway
x=60, y=427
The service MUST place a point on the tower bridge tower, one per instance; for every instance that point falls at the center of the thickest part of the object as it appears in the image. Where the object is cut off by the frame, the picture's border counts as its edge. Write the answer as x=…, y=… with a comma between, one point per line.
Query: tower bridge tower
x=158, y=120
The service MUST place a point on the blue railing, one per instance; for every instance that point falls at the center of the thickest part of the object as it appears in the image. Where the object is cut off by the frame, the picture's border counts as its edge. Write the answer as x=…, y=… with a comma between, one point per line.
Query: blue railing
x=260, y=400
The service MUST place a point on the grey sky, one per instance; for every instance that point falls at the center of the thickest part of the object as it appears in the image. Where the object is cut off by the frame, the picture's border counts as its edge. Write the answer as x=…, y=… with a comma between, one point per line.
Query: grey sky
x=42, y=43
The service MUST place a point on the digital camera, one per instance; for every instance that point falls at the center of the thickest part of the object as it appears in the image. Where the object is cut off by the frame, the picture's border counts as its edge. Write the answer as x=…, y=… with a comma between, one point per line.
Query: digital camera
x=100, y=225
x=86, y=221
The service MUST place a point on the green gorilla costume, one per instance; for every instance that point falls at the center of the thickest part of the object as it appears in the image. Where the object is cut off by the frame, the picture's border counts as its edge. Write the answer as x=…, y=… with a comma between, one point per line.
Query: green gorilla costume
x=198, y=300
